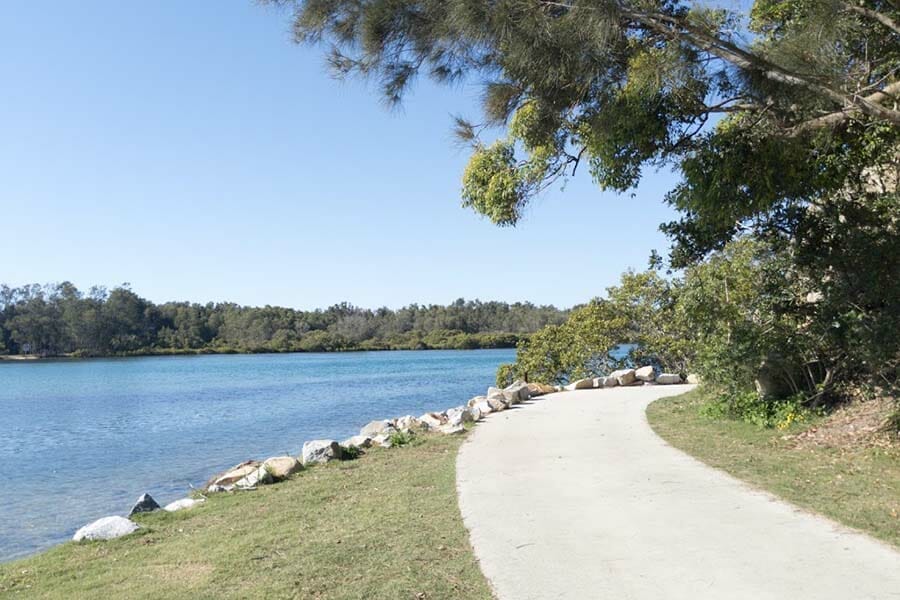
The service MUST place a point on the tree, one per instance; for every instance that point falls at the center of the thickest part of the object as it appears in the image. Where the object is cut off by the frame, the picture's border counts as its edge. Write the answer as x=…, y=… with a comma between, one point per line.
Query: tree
x=620, y=84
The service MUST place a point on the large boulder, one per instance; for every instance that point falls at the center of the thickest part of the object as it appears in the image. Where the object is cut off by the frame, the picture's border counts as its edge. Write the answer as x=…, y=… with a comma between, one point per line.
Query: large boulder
x=458, y=416
x=320, y=451
x=517, y=392
x=693, y=378
x=282, y=467
x=145, y=503
x=474, y=412
x=225, y=481
x=483, y=407
x=182, y=504
x=496, y=404
x=645, y=373
x=539, y=389
x=624, y=376
x=476, y=400
x=433, y=420
x=376, y=427
x=494, y=391
x=357, y=441
x=107, y=528
x=609, y=381
x=581, y=384
x=668, y=378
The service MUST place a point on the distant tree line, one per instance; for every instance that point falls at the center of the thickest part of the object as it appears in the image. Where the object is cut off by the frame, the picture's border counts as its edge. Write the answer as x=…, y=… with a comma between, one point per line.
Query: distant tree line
x=59, y=319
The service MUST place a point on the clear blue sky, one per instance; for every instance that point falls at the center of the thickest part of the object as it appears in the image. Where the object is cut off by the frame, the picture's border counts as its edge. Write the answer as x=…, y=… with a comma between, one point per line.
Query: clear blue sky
x=191, y=149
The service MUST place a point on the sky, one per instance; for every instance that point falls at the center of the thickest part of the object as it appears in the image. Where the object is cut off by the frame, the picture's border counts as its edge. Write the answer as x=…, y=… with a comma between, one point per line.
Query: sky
x=194, y=151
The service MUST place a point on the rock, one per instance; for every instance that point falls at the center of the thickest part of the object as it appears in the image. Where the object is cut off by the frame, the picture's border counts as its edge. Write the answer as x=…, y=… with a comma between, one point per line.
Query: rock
x=260, y=476
x=410, y=424
x=433, y=420
x=475, y=413
x=321, y=451
x=645, y=373
x=494, y=391
x=496, y=404
x=383, y=439
x=476, y=400
x=624, y=376
x=225, y=481
x=451, y=429
x=609, y=381
x=484, y=407
x=145, y=503
x=282, y=467
x=517, y=392
x=539, y=389
x=182, y=504
x=693, y=378
x=106, y=528
x=581, y=384
x=357, y=441
x=376, y=427
x=458, y=416
x=668, y=378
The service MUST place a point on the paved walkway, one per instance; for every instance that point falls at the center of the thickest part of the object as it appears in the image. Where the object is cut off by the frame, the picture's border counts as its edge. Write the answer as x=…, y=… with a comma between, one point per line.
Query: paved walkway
x=572, y=496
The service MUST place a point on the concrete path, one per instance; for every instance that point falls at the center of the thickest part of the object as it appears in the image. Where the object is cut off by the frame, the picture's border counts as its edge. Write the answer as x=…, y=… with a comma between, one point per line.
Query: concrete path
x=572, y=496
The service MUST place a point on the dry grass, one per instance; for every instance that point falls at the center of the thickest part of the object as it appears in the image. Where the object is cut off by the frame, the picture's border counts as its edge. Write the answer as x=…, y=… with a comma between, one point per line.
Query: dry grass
x=384, y=526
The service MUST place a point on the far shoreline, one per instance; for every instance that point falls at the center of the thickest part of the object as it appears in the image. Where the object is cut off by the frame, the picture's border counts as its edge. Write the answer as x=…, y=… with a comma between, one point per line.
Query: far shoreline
x=33, y=358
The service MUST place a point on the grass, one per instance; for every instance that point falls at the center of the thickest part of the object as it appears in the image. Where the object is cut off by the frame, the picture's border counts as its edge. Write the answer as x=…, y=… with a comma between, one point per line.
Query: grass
x=856, y=486
x=385, y=526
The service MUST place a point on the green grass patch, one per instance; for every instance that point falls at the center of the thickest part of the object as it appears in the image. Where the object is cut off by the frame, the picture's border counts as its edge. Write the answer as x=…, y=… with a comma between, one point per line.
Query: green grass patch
x=386, y=526
x=859, y=487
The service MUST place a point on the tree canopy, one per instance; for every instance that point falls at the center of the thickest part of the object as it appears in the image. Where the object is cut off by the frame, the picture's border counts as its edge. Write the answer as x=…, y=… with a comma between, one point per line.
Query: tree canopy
x=751, y=107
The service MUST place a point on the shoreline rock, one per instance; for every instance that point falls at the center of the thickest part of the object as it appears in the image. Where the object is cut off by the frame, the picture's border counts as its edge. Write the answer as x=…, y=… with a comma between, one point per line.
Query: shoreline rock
x=107, y=528
x=320, y=451
x=145, y=503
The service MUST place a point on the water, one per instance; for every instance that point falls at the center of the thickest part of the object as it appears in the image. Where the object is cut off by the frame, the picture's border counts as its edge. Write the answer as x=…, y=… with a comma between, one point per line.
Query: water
x=83, y=439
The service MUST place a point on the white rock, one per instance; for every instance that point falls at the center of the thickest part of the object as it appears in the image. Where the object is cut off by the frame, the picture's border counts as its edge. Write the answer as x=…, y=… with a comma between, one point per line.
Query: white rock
x=320, y=451
x=494, y=391
x=225, y=481
x=668, y=378
x=496, y=404
x=645, y=373
x=182, y=504
x=383, y=440
x=484, y=407
x=433, y=420
x=458, y=416
x=475, y=413
x=624, y=376
x=106, y=528
x=693, y=378
x=375, y=427
x=357, y=441
x=260, y=476
x=476, y=400
x=610, y=381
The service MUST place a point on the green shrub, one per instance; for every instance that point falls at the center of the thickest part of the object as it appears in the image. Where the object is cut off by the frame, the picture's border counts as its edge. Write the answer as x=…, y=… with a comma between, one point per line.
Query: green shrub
x=402, y=438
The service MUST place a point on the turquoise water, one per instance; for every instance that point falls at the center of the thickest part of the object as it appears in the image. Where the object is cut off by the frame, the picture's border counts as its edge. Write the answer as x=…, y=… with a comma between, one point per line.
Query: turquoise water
x=83, y=439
